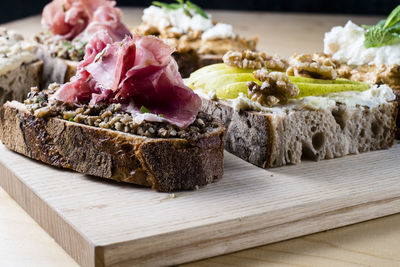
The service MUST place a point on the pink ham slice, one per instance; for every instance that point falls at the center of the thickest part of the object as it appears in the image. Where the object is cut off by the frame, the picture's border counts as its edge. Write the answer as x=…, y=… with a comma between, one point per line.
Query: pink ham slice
x=107, y=18
x=70, y=18
x=137, y=72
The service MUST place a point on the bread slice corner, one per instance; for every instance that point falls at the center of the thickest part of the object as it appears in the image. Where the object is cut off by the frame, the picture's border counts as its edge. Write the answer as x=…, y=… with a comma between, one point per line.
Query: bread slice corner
x=276, y=139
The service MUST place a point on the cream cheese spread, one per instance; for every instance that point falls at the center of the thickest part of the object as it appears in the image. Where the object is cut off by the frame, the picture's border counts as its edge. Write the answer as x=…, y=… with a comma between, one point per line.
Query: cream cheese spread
x=181, y=23
x=370, y=98
x=346, y=45
x=219, y=31
x=14, y=51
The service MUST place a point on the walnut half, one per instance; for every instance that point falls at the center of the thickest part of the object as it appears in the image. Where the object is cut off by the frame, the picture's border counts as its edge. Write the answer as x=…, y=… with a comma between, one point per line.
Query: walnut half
x=248, y=59
x=275, y=88
x=312, y=66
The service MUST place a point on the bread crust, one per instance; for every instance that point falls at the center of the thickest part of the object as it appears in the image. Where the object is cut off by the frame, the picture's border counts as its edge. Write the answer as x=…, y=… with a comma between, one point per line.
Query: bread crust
x=272, y=140
x=163, y=164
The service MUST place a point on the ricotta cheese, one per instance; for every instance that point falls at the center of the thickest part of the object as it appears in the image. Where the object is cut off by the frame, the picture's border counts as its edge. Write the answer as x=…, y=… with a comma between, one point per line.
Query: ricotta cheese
x=346, y=45
x=181, y=23
x=14, y=51
x=219, y=31
x=370, y=98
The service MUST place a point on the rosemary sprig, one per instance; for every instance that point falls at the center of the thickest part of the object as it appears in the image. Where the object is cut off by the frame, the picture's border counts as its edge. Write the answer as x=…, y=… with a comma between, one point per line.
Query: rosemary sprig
x=187, y=7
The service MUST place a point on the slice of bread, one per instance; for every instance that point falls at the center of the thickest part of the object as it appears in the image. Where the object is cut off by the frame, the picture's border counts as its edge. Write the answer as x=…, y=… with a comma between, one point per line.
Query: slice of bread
x=276, y=139
x=165, y=164
x=16, y=84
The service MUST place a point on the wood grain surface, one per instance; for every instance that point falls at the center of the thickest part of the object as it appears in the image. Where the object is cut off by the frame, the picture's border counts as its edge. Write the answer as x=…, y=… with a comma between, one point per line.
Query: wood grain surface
x=104, y=223
x=374, y=243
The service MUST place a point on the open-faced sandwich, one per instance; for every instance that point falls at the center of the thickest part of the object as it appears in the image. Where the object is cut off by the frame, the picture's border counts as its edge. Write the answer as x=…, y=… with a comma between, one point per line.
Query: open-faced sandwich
x=125, y=116
x=197, y=39
x=368, y=53
x=69, y=24
x=20, y=68
x=278, y=112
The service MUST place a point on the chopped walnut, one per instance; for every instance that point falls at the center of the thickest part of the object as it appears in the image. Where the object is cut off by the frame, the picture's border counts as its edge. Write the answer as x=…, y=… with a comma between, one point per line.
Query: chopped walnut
x=248, y=59
x=275, y=88
x=344, y=71
x=390, y=75
x=312, y=66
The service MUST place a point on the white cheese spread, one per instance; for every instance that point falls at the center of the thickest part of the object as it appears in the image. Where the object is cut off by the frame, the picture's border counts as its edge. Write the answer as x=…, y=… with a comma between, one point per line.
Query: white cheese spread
x=181, y=23
x=176, y=19
x=14, y=51
x=370, y=98
x=219, y=31
x=346, y=45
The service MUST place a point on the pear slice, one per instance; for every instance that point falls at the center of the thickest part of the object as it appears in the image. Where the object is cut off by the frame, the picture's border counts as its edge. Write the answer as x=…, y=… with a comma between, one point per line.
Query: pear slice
x=309, y=89
x=220, y=82
x=198, y=78
x=207, y=69
x=296, y=79
x=231, y=91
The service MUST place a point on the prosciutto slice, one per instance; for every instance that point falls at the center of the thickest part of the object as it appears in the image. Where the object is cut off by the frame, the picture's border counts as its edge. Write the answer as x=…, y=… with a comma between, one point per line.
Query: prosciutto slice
x=70, y=18
x=137, y=72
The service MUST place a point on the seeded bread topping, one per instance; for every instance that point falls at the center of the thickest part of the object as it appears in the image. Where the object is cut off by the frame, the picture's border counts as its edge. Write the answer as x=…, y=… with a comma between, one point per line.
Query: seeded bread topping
x=113, y=117
x=57, y=47
x=14, y=51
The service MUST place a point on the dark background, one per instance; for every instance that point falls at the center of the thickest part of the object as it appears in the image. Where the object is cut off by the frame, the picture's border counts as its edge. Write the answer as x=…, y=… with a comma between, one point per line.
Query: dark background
x=14, y=9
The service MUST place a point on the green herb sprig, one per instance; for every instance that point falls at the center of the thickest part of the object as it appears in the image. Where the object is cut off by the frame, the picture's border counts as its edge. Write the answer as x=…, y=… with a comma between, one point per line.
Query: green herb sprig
x=386, y=32
x=101, y=54
x=187, y=7
x=67, y=45
x=144, y=110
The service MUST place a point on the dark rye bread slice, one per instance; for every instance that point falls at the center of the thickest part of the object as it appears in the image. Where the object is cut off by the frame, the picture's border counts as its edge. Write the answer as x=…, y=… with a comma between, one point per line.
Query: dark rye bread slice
x=16, y=84
x=272, y=140
x=163, y=164
x=55, y=70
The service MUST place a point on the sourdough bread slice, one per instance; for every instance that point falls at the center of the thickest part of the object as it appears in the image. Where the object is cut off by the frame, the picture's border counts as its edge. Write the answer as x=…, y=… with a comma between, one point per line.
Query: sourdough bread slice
x=276, y=139
x=16, y=84
x=165, y=164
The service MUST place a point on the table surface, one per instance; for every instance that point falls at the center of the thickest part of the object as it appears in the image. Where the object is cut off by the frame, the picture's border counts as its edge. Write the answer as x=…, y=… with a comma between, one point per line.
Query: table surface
x=372, y=243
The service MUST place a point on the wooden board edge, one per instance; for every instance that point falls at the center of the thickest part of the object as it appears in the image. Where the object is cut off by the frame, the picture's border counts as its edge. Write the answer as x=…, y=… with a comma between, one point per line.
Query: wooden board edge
x=79, y=248
x=159, y=252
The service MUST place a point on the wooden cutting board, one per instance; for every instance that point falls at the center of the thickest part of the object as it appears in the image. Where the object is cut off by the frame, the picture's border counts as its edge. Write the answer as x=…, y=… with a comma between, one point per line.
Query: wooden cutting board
x=103, y=223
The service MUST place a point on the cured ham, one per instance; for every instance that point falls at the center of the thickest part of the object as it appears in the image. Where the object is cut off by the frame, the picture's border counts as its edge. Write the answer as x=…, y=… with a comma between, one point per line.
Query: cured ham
x=137, y=72
x=70, y=18
x=107, y=18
